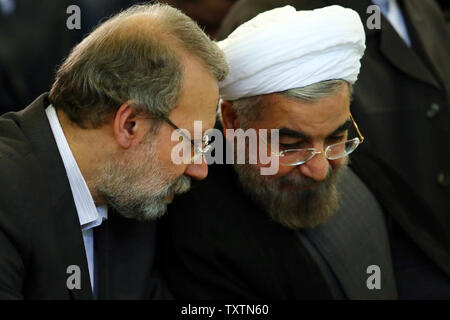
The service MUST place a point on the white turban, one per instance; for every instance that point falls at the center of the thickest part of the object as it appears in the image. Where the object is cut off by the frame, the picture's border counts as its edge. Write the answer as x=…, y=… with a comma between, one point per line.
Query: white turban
x=282, y=49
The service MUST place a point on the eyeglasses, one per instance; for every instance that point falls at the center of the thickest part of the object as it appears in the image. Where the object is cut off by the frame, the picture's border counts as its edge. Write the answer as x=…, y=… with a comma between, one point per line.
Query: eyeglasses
x=295, y=157
x=199, y=149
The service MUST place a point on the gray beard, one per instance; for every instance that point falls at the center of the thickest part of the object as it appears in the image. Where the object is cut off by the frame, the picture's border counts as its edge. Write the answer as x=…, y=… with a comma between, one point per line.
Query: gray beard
x=134, y=203
x=137, y=189
x=292, y=208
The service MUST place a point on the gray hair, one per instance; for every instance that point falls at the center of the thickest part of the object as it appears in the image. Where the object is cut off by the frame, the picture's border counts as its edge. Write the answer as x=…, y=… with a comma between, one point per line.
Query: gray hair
x=135, y=55
x=246, y=107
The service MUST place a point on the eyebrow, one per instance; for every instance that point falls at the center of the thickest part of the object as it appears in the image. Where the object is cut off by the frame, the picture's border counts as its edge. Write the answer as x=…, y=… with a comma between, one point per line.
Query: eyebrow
x=286, y=132
x=344, y=127
x=292, y=133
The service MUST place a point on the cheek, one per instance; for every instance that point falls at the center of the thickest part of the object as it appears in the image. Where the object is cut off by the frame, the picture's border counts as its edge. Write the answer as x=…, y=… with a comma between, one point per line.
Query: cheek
x=285, y=170
x=171, y=169
x=163, y=147
x=282, y=170
x=336, y=164
x=163, y=159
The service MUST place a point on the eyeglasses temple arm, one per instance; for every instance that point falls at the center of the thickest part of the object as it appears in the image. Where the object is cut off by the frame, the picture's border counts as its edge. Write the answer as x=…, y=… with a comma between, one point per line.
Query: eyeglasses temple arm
x=173, y=125
x=361, y=137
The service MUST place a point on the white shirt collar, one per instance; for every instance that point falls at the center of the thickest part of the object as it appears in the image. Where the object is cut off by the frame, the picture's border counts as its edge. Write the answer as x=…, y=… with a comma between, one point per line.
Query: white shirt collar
x=89, y=215
x=383, y=4
x=391, y=10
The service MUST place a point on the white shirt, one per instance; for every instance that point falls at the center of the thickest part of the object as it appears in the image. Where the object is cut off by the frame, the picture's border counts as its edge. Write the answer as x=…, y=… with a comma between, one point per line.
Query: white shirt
x=89, y=215
x=392, y=12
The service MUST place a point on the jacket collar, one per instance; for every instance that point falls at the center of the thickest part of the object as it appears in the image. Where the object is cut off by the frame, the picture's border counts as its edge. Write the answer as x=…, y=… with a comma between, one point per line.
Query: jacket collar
x=394, y=49
x=36, y=127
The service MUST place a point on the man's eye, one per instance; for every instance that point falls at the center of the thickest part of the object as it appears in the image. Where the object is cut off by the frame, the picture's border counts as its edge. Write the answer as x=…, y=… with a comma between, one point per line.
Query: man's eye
x=286, y=146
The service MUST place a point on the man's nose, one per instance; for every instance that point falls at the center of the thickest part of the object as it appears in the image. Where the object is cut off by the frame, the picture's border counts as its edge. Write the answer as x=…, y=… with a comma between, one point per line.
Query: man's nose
x=197, y=171
x=316, y=168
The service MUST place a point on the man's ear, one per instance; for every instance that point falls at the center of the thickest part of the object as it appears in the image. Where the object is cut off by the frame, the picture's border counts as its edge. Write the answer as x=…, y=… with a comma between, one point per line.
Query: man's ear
x=127, y=127
x=229, y=116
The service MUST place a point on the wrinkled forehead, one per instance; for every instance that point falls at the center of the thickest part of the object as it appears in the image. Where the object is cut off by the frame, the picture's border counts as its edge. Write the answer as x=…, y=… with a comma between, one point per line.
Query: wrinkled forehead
x=199, y=97
x=277, y=111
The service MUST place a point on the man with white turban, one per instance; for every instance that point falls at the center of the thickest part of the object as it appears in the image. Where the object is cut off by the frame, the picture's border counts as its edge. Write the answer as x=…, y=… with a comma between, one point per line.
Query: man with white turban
x=402, y=100
x=245, y=235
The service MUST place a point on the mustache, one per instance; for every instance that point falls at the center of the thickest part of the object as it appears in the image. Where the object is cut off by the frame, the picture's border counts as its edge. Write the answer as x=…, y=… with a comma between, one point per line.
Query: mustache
x=303, y=182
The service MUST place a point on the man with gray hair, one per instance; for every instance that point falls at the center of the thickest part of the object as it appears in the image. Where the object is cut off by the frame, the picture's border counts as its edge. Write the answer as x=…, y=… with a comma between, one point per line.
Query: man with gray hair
x=85, y=169
x=284, y=236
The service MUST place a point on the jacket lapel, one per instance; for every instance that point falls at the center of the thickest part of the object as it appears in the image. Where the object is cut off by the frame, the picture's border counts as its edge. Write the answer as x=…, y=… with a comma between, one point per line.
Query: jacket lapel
x=68, y=231
x=355, y=238
x=71, y=244
x=392, y=47
x=401, y=56
x=102, y=256
x=125, y=253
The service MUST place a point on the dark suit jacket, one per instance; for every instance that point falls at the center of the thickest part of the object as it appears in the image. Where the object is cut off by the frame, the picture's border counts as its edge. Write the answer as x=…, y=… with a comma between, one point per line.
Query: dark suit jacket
x=40, y=234
x=219, y=245
x=402, y=105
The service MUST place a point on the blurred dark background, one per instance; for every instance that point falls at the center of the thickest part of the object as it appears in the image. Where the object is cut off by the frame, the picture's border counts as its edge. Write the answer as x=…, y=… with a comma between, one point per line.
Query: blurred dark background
x=34, y=38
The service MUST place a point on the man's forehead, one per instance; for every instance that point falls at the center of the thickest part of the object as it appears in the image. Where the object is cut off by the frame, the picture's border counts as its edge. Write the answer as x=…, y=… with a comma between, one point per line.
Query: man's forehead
x=203, y=110
x=195, y=123
x=279, y=110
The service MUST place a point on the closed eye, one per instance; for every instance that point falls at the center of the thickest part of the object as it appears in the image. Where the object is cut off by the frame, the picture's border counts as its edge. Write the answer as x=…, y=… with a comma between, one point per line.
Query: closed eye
x=286, y=146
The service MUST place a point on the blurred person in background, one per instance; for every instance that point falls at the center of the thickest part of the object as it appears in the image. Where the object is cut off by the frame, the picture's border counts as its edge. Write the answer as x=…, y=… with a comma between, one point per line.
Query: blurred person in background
x=34, y=39
x=208, y=13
